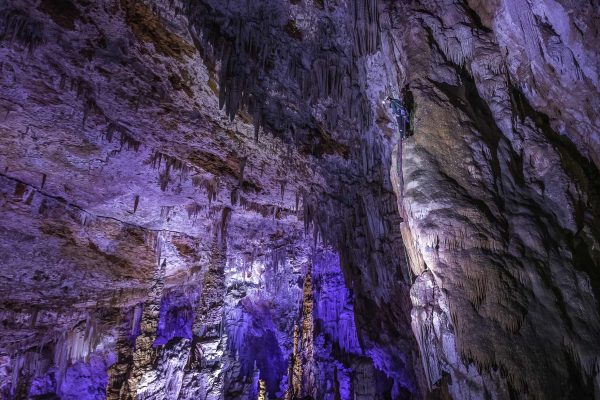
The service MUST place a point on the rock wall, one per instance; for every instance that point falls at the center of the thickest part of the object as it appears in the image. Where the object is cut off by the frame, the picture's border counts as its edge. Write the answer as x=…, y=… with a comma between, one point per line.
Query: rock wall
x=499, y=190
x=157, y=244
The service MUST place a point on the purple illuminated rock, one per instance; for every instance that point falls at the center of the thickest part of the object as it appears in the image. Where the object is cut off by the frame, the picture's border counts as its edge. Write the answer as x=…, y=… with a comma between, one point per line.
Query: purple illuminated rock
x=209, y=199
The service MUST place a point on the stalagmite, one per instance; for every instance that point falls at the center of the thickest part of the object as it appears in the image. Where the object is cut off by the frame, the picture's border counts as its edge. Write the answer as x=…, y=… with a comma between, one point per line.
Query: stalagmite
x=144, y=354
x=336, y=385
x=262, y=390
x=207, y=343
x=119, y=371
x=296, y=370
x=306, y=343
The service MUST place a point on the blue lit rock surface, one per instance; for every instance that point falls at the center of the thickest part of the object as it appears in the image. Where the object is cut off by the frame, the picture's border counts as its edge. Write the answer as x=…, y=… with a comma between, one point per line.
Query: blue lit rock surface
x=200, y=199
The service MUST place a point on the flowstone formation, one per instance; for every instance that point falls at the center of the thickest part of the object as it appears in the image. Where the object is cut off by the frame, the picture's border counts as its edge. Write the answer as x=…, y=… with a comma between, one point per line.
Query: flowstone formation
x=208, y=199
x=499, y=193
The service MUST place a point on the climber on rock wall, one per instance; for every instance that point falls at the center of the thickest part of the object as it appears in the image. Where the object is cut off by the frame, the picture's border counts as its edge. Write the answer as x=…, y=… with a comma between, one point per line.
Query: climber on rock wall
x=402, y=118
x=400, y=113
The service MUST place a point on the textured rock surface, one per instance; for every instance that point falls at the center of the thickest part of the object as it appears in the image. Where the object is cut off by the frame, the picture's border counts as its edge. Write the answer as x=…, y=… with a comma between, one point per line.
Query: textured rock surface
x=208, y=199
x=501, y=203
x=150, y=230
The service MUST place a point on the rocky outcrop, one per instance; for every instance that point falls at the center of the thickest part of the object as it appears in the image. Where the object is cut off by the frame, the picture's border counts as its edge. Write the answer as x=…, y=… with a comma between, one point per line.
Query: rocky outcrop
x=498, y=195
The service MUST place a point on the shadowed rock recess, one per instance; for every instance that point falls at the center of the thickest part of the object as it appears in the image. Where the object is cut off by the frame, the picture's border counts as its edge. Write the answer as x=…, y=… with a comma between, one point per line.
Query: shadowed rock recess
x=211, y=199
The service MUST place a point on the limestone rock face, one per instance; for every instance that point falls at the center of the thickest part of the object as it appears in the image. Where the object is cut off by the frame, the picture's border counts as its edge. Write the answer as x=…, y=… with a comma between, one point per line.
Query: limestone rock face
x=170, y=172
x=209, y=199
x=499, y=190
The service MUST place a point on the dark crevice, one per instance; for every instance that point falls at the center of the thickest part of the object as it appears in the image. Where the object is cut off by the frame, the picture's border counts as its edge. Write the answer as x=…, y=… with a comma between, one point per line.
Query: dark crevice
x=475, y=18
x=583, y=172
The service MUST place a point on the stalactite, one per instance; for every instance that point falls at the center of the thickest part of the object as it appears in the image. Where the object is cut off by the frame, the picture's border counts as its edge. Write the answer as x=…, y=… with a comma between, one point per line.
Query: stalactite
x=299, y=195
x=73, y=346
x=243, y=161
x=19, y=27
x=365, y=17
x=210, y=185
x=165, y=212
x=282, y=184
x=172, y=164
x=125, y=138
x=266, y=210
x=25, y=367
x=136, y=202
x=240, y=322
x=90, y=106
x=248, y=49
x=193, y=210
